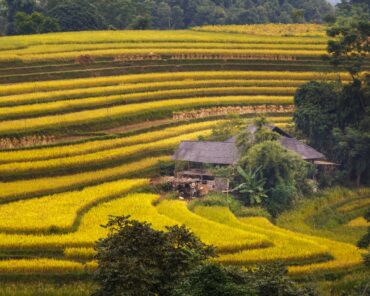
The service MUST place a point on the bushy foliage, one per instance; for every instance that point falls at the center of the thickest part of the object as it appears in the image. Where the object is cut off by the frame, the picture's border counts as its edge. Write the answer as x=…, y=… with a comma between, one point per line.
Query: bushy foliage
x=228, y=201
x=170, y=14
x=136, y=260
x=252, y=188
x=226, y=129
x=77, y=16
x=216, y=280
x=213, y=280
x=15, y=6
x=335, y=120
x=284, y=173
x=34, y=23
x=217, y=199
x=365, y=241
x=276, y=164
x=315, y=114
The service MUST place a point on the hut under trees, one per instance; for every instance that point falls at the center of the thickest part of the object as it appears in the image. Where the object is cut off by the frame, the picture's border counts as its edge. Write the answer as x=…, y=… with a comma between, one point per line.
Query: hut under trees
x=196, y=180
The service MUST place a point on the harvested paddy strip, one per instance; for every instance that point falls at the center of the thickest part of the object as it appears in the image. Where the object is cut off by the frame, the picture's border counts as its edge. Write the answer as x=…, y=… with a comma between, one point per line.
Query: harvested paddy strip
x=132, y=113
x=212, y=53
x=96, y=160
x=164, y=65
x=34, y=187
x=226, y=238
x=62, y=107
x=60, y=212
x=68, y=84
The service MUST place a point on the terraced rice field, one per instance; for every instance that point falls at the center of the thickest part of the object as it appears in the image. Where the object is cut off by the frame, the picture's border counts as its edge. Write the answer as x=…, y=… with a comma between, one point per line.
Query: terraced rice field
x=109, y=101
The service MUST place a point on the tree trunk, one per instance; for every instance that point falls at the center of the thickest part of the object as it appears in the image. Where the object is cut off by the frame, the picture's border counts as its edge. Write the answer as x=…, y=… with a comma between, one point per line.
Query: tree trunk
x=10, y=17
x=358, y=179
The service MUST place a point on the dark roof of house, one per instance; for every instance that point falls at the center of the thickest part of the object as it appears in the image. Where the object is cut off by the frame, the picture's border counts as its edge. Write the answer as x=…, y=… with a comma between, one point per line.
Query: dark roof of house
x=290, y=143
x=227, y=152
x=253, y=128
x=305, y=151
x=208, y=152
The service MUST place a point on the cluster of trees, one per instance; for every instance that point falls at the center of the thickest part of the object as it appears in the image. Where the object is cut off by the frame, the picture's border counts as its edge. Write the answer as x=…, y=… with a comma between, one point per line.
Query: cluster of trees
x=75, y=15
x=335, y=117
x=267, y=175
x=137, y=260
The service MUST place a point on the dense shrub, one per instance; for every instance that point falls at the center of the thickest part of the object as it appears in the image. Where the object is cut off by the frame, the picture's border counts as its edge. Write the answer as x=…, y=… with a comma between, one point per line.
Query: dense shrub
x=136, y=260
x=34, y=23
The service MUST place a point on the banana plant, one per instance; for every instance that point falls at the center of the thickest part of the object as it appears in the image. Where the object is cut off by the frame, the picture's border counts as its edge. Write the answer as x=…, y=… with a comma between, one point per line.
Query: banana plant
x=252, y=187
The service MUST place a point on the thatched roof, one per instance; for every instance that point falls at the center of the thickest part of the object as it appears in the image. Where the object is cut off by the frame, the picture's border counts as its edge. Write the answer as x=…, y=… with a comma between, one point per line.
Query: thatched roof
x=208, y=152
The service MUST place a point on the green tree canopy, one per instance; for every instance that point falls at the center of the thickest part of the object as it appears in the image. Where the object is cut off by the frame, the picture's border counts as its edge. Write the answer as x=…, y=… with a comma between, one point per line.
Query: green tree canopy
x=284, y=174
x=34, y=23
x=316, y=112
x=15, y=6
x=137, y=260
x=169, y=14
x=77, y=16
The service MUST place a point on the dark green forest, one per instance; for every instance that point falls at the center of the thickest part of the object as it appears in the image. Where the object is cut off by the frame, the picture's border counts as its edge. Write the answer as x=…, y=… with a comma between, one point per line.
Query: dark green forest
x=75, y=15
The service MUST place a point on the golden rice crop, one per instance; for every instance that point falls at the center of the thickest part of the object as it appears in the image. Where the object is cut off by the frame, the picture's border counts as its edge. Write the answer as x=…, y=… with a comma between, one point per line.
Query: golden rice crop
x=76, y=47
x=98, y=37
x=282, y=30
x=345, y=256
x=293, y=245
x=358, y=222
x=97, y=158
x=226, y=238
x=97, y=102
x=75, y=118
x=31, y=87
x=287, y=246
x=139, y=206
x=59, y=211
x=42, y=186
x=44, y=266
x=56, y=95
x=79, y=253
x=104, y=144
